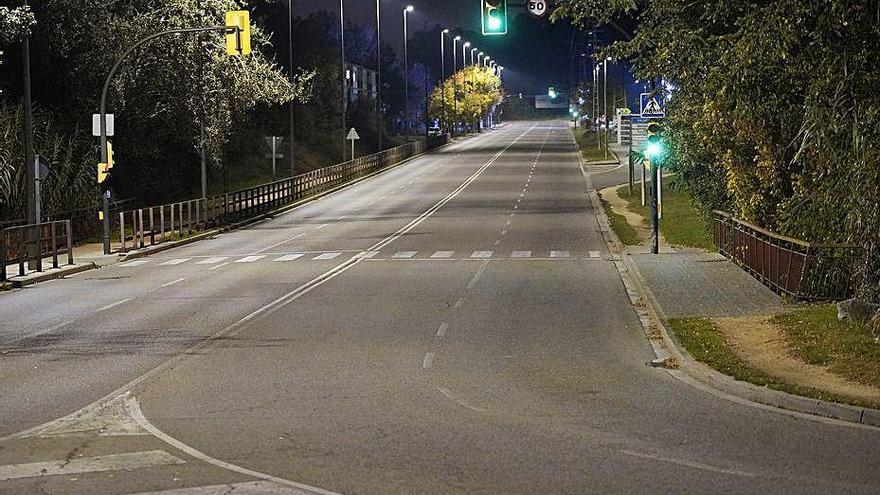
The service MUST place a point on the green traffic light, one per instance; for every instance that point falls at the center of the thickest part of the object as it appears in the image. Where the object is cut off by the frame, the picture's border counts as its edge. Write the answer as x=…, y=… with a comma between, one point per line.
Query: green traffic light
x=494, y=23
x=653, y=150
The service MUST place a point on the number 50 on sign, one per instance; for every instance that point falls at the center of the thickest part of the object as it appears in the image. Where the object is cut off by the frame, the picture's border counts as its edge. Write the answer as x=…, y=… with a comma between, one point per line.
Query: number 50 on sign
x=537, y=8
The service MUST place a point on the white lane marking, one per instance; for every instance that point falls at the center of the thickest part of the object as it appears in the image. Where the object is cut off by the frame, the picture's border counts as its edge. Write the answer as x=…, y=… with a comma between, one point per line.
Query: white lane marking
x=560, y=254
x=41, y=332
x=428, y=361
x=212, y=261
x=343, y=217
x=504, y=232
x=319, y=227
x=441, y=332
x=404, y=255
x=521, y=254
x=291, y=257
x=218, y=266
x=117, y=303
x=115, y=462
x=459, y=303
x=442, y=254
x=383, y=197
x=476, y=277
x=327, y=256
x=498, y=243
x=594, y=254
x=507, y=224
x=249, y=487
x=410, y=182
x=250, y=259
x=446, y=393
x=131, y=264
x=365, y=255
x=516, y=207
x=175, y=262
x=482, y=254
x=691, y=464
x=285, y=241
x=169, y=284
x=134, y=410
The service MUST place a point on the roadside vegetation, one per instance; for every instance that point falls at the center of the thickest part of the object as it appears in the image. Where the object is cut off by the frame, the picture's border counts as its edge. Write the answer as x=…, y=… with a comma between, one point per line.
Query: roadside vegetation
x=625, y=232
x=706, y=343
x=682, y=223
x=587, y=142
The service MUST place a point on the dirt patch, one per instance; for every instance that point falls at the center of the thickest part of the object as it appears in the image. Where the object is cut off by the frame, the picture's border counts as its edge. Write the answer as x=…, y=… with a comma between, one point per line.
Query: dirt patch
x=619, y=206
x=763, y=345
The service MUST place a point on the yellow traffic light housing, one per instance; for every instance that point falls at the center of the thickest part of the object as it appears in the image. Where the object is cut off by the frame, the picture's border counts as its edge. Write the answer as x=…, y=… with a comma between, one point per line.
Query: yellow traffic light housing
x=238, y=33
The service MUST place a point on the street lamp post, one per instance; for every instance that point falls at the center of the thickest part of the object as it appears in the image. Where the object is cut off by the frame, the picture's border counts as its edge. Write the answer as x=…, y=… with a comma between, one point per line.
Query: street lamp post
x=407, y=10
x=379, y=121
x=472, y=54
x=464, y=48
x=443, y=80
x=344, y=91
x=605, y=103
x=480, y=58
x=291, y=147
x=455, y=78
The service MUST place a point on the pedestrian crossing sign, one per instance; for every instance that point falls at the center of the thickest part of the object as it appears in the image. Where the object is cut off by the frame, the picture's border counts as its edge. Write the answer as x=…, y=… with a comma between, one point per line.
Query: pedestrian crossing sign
x=652, y=105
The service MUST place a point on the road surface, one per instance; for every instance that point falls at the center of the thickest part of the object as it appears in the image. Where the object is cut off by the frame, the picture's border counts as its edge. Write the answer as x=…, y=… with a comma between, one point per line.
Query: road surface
x=453, y=325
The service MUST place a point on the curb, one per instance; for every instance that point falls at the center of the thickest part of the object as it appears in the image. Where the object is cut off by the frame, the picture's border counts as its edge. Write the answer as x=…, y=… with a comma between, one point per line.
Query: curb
x=51, y=274
x=678, y=362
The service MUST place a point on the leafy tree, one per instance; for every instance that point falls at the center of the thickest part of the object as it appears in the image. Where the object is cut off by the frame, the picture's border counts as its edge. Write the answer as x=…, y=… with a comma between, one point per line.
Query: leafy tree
x=15, y=23
x=468, y=95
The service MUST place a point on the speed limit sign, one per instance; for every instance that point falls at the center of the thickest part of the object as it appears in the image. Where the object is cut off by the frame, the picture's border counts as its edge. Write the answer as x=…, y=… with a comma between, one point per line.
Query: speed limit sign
x=537, y=8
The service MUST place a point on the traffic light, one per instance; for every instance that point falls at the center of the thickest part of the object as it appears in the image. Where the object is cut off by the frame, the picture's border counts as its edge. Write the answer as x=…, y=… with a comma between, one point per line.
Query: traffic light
x=655, y=146
x=552, y=93
x=238, y=32
x=494, y=17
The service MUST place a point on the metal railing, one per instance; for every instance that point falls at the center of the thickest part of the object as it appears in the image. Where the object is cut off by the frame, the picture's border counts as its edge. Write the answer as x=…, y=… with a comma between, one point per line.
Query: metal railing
x=27, y=244
x=789, y=266
x=141, y=227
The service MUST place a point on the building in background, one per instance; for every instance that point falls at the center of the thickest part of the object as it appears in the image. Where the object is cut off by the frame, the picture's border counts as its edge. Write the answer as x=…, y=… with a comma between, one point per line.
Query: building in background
x=360, y=82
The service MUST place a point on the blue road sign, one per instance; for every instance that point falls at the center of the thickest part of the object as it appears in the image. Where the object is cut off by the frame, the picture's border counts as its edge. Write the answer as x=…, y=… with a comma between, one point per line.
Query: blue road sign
x=652, y=105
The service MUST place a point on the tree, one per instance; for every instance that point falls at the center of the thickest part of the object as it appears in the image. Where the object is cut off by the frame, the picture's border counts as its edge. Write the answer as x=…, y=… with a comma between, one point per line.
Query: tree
x=468, y=95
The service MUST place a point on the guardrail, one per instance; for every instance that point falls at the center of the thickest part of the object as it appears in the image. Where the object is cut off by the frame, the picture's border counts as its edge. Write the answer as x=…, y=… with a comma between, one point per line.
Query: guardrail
x=31, y=243
x=800, y=269
x=149, y=226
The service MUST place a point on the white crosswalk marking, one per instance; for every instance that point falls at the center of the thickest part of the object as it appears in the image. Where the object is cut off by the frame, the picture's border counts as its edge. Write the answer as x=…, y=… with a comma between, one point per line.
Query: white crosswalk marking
x=404, y=254
x=212, y=261
x=521, y=254
x=250, y=259
x=327, y=256
x=482, y=254
x=250, y=488
x=116, y=462
x=290, y=257
x=367, y=254
x=443, y=254
x=560, y=254
x=594, y=254
x=174, y=262
x=130, y=264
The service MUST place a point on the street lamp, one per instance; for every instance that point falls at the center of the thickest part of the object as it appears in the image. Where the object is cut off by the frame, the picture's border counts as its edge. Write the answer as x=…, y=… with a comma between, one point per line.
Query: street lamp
x=344, y=91
x=407, y=10
x=472, y=54
x=464, y=48
x=480, y=58
x=455, y=77
x=443, y=80
x=379, y=121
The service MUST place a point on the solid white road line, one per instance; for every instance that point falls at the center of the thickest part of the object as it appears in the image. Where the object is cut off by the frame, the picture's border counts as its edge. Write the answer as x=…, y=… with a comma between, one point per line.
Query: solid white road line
x=319, y=227
x=327, y=256
x=482, y=254
x=690, y=464
x=212, y=261
x=117, y=303
x=521, y=254
x=218, y=266
x=560, y=254
x=459, y=303
x=285, y=241
x=169, y=284
x=291, y=257
x=404, y=255
x=446, y=393
x=428, y=361
x=250, y=259
x=175, y=262
x=441, y=332
x=249, y=488
x=41, y=332
x=131, y=264
x=115, y=462
x=442, y=254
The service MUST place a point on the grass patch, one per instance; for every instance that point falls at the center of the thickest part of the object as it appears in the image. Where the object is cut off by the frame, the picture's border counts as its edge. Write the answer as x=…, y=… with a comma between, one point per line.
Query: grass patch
x=681, y=225
x=625, y=232
x=707, y=344
x=587, y=142
x=817, y=337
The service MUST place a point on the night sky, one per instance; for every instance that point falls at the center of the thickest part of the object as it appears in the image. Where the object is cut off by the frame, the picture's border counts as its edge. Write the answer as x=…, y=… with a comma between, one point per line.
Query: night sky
x=535, y=53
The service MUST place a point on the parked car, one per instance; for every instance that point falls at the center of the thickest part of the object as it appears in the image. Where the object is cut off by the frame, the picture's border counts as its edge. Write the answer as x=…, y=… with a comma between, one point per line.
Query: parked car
x=434, y=131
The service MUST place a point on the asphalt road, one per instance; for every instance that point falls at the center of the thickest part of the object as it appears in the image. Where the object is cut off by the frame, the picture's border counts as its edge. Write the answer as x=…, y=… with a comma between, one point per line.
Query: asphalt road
x=453, y=325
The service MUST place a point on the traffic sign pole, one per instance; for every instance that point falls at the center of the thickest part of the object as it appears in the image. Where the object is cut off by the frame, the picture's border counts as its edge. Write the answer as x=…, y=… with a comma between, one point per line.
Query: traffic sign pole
x=655, y=210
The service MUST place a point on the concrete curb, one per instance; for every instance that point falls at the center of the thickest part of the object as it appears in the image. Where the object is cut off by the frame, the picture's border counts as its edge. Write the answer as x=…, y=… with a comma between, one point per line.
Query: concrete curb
x=681, y=365
x=158, y=248
x=50, y=274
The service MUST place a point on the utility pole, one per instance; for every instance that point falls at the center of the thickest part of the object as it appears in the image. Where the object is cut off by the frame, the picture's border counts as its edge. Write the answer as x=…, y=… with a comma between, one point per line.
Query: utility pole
x=379, y=121
x=291, y=144
x=344, y=70
x=29, y=132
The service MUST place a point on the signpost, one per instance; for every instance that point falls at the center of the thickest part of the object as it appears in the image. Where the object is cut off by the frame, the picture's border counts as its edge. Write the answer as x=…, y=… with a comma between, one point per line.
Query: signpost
x=352, y=136
x=537, y=8
x=274, y=143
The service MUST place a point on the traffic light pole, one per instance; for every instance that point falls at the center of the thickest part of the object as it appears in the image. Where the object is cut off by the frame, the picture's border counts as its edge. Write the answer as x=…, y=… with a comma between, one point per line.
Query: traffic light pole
x=103, y=111
x=655, y=211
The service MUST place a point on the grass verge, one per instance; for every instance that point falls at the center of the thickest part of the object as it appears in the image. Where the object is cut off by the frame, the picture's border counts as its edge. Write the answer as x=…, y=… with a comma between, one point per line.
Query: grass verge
x=587, y=142
x=706, y=343
x=847, y=349
x=681, y=225
x=625, y=232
